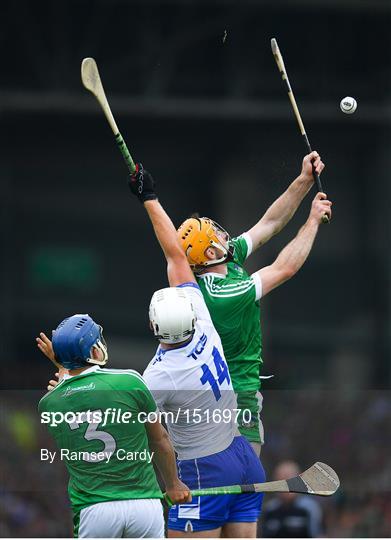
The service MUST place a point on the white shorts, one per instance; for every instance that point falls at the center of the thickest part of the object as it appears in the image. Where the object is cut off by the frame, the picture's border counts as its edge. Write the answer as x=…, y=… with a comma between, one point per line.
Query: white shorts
x=132, y=518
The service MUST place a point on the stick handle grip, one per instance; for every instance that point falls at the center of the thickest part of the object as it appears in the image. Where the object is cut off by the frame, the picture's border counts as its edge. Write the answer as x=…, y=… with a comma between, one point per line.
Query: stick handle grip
x=125, y=152
x=325, y=218
x=225, y=490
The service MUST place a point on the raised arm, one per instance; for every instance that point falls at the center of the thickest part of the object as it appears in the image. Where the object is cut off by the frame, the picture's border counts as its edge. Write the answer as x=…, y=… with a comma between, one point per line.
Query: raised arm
x=283, y=208
x=178, y=270
x=293, y=256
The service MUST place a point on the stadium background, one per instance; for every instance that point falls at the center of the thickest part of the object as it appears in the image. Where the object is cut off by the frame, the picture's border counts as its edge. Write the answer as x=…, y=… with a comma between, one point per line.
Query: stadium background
x=210, y=119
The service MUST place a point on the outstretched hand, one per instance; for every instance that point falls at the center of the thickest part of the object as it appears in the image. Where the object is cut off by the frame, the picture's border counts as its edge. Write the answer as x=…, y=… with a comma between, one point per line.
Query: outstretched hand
x=142, y=185
x=45, y=346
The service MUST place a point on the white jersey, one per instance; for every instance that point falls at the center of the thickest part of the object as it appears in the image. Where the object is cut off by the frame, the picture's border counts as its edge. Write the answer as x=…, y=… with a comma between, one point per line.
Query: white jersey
x=192, y=386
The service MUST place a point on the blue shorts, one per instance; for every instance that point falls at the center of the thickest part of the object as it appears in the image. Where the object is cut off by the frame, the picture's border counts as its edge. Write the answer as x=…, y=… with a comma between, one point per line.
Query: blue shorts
x=238, y=464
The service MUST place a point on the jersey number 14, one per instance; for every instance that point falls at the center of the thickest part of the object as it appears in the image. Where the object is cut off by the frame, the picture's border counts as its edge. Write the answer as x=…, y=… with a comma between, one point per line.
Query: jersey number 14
x=222, y=374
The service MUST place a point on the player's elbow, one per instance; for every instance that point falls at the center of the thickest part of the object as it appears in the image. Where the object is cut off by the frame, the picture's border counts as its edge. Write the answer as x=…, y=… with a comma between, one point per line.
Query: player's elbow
x=275, y=225
x=263, y=231
x=289, y=271
x=286, y=272
x=177, y=258
x=180, y=257
x=162, y=446
x=275, y=275
x=157, y=435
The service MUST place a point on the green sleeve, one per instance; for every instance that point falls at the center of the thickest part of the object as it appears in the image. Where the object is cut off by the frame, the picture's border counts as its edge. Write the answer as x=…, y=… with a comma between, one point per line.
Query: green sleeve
x=240, y=249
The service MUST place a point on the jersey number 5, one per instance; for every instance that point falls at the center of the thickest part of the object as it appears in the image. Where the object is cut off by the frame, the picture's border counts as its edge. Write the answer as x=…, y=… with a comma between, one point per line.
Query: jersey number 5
x=222, y=374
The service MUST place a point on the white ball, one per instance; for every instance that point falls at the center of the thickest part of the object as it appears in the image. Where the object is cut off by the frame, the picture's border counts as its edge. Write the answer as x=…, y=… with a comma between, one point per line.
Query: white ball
x=348, y=105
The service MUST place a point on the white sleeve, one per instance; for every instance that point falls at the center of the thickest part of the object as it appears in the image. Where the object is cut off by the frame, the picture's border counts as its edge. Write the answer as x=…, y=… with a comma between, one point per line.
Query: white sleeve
x=249, y=243
x=195, y=294
x=160, y=385
x=258, y=285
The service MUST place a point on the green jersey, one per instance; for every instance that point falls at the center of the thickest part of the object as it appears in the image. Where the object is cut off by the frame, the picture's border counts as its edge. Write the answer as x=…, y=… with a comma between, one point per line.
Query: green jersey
x=97, y=419
x=233, y=303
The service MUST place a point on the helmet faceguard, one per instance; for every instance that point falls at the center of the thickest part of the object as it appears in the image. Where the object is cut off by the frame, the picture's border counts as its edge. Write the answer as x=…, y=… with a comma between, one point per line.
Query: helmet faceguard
x=196, y=235
x=102, y=346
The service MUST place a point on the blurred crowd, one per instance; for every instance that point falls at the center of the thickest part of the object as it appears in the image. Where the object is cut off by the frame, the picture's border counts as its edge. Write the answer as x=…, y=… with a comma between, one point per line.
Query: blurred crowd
x=352, y=433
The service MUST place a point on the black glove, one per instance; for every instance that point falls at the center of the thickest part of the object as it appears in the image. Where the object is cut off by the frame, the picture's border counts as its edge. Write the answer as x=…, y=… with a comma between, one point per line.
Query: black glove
x=142, y=184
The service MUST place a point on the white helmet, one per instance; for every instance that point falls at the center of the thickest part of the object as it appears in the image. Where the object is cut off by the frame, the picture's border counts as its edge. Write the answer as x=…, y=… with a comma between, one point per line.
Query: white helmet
x=172, y=315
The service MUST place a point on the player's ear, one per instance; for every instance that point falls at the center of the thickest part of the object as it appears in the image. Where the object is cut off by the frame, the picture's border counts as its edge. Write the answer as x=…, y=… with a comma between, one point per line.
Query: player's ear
x=96, y=353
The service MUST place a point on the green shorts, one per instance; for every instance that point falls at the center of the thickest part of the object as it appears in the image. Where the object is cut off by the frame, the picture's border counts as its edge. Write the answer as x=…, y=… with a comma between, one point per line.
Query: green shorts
x=249, y=421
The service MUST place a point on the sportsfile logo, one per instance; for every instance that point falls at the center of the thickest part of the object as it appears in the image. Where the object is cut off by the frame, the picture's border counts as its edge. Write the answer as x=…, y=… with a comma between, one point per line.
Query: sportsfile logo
x=97, y=417
x=111, y=416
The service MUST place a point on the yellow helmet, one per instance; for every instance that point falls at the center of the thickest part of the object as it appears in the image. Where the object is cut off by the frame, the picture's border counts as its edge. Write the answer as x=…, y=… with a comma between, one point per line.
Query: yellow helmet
x=196, y=235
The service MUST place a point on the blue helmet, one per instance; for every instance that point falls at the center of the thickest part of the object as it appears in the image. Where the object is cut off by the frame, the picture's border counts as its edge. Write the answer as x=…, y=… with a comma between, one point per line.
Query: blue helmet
x=73, y=340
